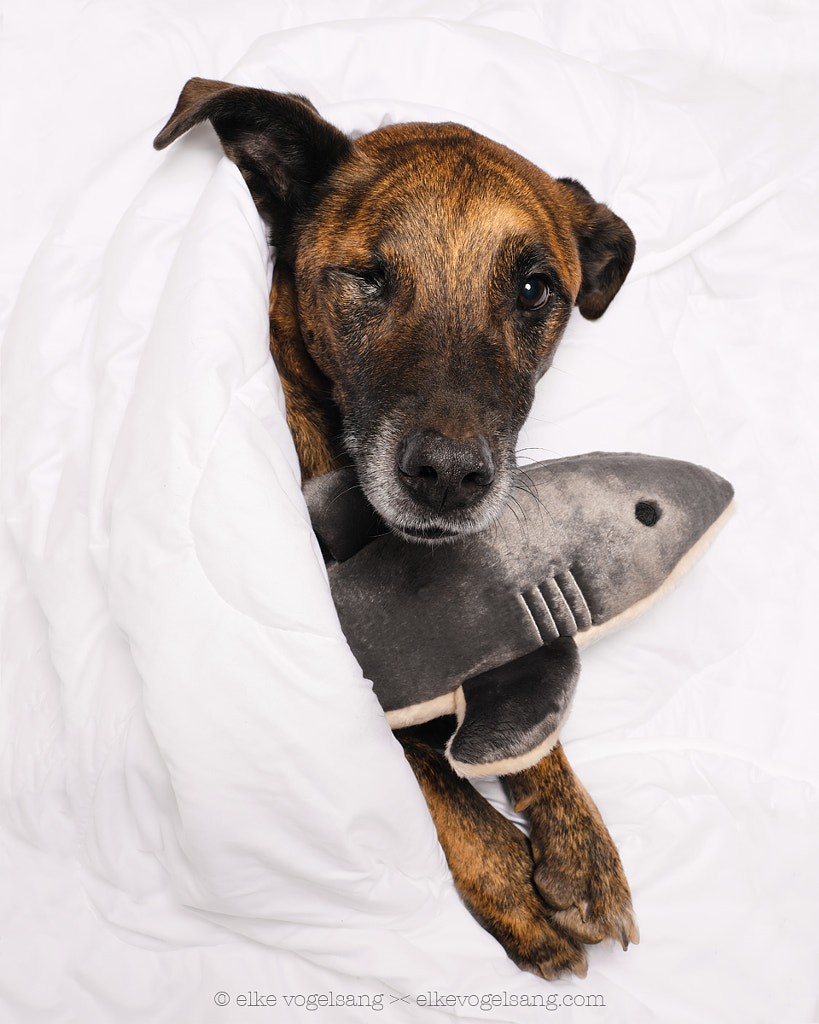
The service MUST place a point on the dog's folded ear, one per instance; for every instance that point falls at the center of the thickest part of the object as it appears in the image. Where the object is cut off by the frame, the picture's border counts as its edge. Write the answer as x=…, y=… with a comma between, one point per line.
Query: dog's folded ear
x=279, y=142
x=606, y=248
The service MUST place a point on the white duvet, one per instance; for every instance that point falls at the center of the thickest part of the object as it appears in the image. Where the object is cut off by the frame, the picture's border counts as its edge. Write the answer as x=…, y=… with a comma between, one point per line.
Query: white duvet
x=204, y=815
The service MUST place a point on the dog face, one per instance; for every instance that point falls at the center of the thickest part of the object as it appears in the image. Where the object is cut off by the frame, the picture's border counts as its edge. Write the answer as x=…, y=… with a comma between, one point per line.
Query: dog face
x=434, y=271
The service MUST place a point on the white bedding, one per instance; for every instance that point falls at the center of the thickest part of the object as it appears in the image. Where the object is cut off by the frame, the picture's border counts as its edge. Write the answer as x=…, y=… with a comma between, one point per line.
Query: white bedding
x=201, y=802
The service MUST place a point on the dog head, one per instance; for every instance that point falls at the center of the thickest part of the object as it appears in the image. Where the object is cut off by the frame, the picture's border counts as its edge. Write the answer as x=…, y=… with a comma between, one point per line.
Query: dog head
x=435, y=271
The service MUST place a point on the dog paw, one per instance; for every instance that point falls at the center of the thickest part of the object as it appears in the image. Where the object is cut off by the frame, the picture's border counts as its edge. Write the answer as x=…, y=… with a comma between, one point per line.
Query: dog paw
x=578, y=872
x=551, y=954
x=493, y=868
x=532, y=941
x=580, y=877
x=505, y=899
x=600, y=902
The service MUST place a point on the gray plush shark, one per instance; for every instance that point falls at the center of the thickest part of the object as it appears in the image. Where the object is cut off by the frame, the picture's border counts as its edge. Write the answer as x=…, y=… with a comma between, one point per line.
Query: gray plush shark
x=487, y=627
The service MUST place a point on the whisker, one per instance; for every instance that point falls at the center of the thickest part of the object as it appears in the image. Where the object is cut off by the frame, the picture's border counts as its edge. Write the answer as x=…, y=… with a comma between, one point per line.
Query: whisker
x=525, y=483
x=499, y=526
x=538, y=451
x=516, y=509
x=355, y=486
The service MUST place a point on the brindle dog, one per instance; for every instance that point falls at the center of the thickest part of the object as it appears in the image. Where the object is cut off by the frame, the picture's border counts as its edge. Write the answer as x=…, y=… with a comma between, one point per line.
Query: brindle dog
x=423, y=278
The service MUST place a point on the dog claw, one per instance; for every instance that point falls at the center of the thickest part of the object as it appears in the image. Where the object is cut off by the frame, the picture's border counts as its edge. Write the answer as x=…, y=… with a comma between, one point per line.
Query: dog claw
x=582, y=969
x=559, y=965
x=548, y=972
x=629, y=934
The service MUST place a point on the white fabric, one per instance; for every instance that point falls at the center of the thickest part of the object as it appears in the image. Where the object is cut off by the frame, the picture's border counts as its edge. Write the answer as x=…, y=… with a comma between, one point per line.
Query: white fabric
x=200, y=794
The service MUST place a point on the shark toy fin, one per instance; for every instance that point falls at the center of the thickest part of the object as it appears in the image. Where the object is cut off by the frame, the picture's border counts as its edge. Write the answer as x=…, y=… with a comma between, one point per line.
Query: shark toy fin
x=341, y=517
x=510, y=717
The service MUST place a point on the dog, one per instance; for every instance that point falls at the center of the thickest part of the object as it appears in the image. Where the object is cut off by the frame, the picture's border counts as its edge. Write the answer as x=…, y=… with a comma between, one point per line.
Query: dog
x=424, y=275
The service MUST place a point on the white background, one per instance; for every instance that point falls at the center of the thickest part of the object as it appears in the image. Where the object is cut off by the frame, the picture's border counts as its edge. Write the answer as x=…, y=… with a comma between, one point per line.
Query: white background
x=199, y=792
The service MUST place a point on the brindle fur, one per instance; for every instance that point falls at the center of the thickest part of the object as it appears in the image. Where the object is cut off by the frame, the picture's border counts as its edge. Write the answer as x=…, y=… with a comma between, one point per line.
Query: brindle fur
x=404, y=344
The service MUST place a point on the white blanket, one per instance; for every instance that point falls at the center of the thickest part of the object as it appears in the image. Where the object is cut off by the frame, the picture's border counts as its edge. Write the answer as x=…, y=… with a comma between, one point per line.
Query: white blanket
x=203, y=809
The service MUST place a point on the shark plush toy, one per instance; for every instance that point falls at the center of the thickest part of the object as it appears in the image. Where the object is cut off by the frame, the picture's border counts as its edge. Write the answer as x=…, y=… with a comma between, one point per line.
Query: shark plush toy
x=487, y=627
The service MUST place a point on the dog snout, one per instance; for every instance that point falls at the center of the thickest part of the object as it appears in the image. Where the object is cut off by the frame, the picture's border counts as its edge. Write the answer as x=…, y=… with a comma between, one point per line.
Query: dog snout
x=444, y=473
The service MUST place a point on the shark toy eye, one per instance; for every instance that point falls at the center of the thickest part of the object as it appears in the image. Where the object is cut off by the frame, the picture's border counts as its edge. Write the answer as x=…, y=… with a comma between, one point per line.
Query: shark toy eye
x=647, y=512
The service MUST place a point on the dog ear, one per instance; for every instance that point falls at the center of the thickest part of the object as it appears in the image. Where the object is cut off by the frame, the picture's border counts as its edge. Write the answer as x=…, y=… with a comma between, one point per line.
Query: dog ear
x=606, y=248
x=277, y=140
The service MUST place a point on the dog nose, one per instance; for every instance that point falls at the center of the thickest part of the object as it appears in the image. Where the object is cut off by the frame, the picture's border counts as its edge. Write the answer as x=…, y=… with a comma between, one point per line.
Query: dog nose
x=444, y=473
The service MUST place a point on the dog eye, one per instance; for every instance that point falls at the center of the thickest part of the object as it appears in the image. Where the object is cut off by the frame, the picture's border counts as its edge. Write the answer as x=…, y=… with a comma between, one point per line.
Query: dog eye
x=534, y=293
x=372, y=283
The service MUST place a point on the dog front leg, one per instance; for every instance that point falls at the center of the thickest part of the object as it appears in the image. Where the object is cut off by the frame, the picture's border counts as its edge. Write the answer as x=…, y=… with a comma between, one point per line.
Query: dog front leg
x=578, y=870
x=492, y=866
